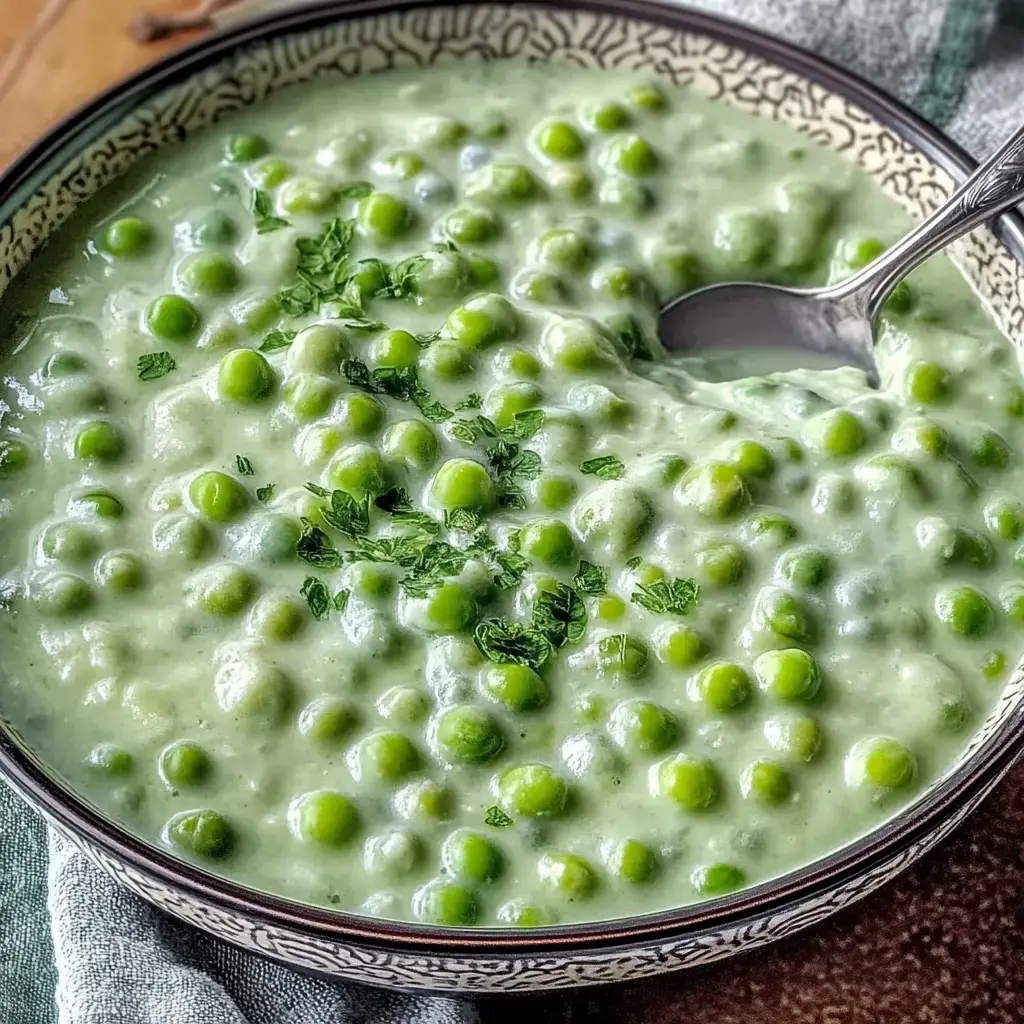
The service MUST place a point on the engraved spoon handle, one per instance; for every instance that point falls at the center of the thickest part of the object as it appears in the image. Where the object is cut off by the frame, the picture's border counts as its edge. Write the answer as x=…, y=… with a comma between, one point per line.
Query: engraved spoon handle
x=995, y=186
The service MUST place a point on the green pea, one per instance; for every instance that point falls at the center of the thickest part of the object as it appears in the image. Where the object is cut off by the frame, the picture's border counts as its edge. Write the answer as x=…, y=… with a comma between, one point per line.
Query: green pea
x=462, y=483
x=1004, y=517
x=245, y=376
x=96, y=503
x=785, y=615
x=243, y=149
x=423, y=800
x=128, y=238
x=323, y=818
x=614, y=517
x=798, y=737
x=471, y=225
x=576, y=345
x=265, y=539
x=500, y=182
x=401, y=166
x=879, y=763
x=723, y=686
x=1011, y=600
x=221, y=590
x=553, y=492
x=989, y=450
x=806, y=567
x=276, y=617
x=630, y=860
x=517, y=687
x=605, y=117
x=99, y=441
x=403, y=704
x=468, y=735
x=318, y=349
x=505, y=401
x=532, y=791
x=69, y=542
x=641, y=726
x=541, y=287
x=721, y=563
x=568, y=874
x=716, y=490
x=209, y=274
x=928, y=383
x=624, y=197
x=994, y=665
x=521, y=914
x=327, y=719
x=386, y=757
x=558, y=140
x=609, y=608
x=632, y=155
x=688, y=781
x=172, y=318
x=679, y=646
x=744, y=242
x=370, y=580
x=411, y=443
x=435, y=277
x=308, y=395
x=789, y=675
x=110, y=760
x=444, y=903
x=570, y=181
x=753, y=460
x=647, y=97
x=210, y=227
x=184, y=765
x=523, y=364
x=675, y=269
x=64, y=364
x=269, y=173
x=307, y=196
x=394, y=852
x=563, y=249
x=447, y=361
x=450, y=608
x=482, y=322
x=383, y=216
x=181, y=538
x=767, y=782
x=623, y=654
x=717, y=879
x=205, y=834
x=120, y=570
x=547, y=542
x=769, y=529
x=837, y=433
x=359, y=470
x=964, y=611
x=471, y=857
x=441, y=132
x=218, y=496
x=14, y=457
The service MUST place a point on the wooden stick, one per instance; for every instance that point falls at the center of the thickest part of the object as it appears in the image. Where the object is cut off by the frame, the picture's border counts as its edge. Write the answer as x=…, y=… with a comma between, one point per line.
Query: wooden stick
x=148, y=27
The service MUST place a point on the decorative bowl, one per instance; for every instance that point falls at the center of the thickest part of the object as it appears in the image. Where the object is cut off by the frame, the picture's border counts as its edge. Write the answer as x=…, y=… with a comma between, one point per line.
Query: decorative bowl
x=911, y=161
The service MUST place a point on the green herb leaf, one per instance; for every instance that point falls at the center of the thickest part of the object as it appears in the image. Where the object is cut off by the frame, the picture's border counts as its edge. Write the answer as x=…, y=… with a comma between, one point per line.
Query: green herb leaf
x=362, y=325
x=430, y=410
x=154, y=365
x=632, y=563
x=320, y=492
x=631, y=336
x=471, y=401
x=265, y=493
x=314, y=546
x=667, y=598
x=513, y=497
x=262, y=210
x=321, y=272
x=560, y=615
x=427, y=339
x=466, y=520
x=505, y=642
x=497, y=818
x=317, y=596
x=607, y=467
x=341, y=600
x=357, y=373
x=398, y=505
x=525, y=424
x=346, y=515
x=403, y=551
x=355, y=190
x=465, y=431
x=513, y=566
x=277, y=340
x=244, y=466
x=590, y=579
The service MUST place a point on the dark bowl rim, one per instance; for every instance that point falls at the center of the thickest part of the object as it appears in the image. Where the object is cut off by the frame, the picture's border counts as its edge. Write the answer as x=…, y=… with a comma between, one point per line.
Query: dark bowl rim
x=970, y=782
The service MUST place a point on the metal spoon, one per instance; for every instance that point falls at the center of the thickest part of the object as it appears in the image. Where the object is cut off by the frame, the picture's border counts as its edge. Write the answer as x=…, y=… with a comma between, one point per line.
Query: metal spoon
x=838, y=321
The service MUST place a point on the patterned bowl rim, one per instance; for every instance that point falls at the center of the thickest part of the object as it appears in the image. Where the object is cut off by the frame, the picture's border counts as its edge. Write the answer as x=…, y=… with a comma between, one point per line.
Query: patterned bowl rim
x=62, y=807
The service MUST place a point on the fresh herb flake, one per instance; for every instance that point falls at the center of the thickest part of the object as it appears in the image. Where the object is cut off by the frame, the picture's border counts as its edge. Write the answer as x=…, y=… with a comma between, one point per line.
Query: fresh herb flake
x=244, y=466
x=398, y=505
x=263, y=213
x=154, y=365
x=341, y=600
x=314, y=547
x=525, y=424
x=560, y=615
x=667, y=598
x=277, y=340
x=471, y=401
x=355, y=190
x=607, y=467
x=497, y=818
x=465, y=520
x=505, y=642
x=347, y=515
x=317, y=596
x=265, y=493
x=590, y=579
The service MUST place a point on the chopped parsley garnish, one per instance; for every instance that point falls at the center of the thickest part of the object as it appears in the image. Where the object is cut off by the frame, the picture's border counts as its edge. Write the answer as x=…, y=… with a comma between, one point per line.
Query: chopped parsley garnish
x=277, y=340
x=355, y=190
x=403, y=551
x=320, y=492
x=513, y=566
x=244, y=466
x=321, y=270
x=505, y=642
x=471, y=401
x=607, y=467
x=402, y=383
x=497, y=818
x=560, y=615
x=525, y=424
x=466, y=520
x=314, y=546
x=438, y=559
x=341, y=600
x=346, y=515
x=263, y=213
x=317, y=596
x=631, y=336
x=667, y=598
x=154, y=365
x=616, y=647
x=397, y=504
x=632, y=563
x=265, y=493
x=590, y=579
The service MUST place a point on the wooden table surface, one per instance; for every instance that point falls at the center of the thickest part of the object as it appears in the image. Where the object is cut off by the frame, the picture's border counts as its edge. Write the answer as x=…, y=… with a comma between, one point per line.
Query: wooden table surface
x=944, y=944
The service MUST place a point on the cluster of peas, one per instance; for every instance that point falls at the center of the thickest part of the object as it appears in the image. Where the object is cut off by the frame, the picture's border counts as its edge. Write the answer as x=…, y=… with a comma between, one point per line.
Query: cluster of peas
x=615, y=517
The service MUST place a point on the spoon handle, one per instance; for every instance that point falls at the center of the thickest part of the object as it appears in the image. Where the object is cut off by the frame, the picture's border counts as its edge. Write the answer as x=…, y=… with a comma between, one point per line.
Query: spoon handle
x=994, y=187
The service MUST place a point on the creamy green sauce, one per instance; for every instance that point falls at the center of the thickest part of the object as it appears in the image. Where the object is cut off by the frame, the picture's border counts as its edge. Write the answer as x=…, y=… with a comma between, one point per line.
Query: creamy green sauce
x=564, y=630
